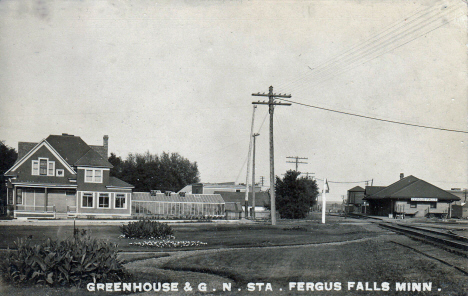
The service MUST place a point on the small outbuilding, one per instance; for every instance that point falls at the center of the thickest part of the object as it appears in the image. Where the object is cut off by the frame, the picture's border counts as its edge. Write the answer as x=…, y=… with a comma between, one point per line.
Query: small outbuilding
x=261, y=199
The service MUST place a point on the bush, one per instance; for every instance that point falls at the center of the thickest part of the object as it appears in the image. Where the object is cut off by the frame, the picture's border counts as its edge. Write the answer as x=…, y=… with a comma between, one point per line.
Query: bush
x=74, y=261
x=145, y=228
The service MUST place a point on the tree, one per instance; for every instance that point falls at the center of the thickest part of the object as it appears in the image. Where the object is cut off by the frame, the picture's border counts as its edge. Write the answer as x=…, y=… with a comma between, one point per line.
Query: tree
x=8, y=157
x=295, y=195
x=116, y=161
x=165, y=172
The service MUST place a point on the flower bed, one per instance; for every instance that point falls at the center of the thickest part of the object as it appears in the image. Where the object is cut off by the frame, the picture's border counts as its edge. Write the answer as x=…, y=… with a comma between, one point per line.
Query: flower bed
x=169, y=244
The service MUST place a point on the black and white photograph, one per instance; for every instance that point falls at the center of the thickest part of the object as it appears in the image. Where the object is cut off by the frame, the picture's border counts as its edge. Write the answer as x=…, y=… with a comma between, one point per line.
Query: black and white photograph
x=233, y=147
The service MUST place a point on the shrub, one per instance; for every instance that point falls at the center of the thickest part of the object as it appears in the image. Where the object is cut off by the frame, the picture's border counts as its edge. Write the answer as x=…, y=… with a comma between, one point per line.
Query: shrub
x=74, y=261
x=145, y=228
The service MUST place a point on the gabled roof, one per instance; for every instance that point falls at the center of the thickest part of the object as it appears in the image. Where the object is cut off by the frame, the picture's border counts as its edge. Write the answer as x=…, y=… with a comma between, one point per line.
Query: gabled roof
x=24, y=148
x=357, y=189
x=46, y=144
x=412, y=187
x=370, y=190
x=389, y=190
x=100, y=149
x=93, y=159
x=76, y=152
x=116, y=182
x=70, y=147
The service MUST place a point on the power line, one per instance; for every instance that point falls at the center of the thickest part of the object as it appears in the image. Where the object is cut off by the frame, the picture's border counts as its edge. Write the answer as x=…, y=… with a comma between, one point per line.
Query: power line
x=373, y=51
x=357, y=62
x=297, y=162
x=375, y=118
x=355, y=47
x=342, y=182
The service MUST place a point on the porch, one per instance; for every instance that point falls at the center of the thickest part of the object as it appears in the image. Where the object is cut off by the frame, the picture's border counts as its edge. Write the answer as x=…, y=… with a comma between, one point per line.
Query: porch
x=47, y=202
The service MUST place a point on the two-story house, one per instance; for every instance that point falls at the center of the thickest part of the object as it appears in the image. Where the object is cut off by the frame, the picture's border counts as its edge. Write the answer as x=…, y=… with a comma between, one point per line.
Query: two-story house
x=63, y=176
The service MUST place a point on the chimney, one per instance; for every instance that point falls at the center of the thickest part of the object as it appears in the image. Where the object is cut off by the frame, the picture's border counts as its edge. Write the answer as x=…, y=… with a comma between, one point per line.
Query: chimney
x=402, y=176
x=106, y=145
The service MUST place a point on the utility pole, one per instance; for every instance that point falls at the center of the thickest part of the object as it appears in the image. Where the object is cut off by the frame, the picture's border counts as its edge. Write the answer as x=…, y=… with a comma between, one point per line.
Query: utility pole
x=271, y=107
x=248, y=167
x=307, y=175
x=297, y=162
x=253, y=175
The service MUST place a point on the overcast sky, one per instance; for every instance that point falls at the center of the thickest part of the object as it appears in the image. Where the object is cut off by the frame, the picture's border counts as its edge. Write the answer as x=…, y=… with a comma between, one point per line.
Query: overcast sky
x=177, y=76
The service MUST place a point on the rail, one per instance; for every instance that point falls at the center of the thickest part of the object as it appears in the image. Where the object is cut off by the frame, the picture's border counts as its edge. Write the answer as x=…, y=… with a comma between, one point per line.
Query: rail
x=446, y=240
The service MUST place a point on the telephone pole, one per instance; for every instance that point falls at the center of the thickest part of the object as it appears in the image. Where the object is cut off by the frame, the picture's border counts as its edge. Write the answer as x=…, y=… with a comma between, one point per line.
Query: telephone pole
x=297, y=162
x=307, y=175
x=253, y=175
x=271, y=107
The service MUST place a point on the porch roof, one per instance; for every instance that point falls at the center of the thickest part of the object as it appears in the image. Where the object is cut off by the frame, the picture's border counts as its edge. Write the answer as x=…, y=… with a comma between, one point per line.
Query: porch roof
x=20, y=183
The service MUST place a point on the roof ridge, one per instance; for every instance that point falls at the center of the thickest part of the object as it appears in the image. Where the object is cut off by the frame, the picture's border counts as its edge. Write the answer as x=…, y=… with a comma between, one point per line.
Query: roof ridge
x=91, y=150
x=407, y=185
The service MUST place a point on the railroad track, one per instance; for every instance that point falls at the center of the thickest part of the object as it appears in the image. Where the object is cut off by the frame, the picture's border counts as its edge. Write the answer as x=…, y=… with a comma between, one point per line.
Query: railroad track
x=440, y=237
x=451, y=242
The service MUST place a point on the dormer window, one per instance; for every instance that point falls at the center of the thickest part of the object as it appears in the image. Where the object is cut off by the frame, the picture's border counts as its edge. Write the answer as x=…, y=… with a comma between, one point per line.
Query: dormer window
x=43, y=167
x=93, y=176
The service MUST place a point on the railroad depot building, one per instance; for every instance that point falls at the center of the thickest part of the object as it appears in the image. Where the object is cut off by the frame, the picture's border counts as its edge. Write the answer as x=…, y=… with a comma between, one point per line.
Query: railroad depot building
x=62, y=176
x=411, y=197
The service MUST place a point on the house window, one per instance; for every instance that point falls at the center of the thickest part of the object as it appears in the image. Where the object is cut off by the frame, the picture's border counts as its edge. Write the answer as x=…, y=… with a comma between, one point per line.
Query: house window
x=35, y=167
x=120, y=201
x=93, y=176
x=98, y=176
x=51, y=168
x=413, y=204
x=19, y=196
x=59, y=173
x=87, y=200
x=103, y=200
x=43, y=167
x=433, y=205
x=89, y=176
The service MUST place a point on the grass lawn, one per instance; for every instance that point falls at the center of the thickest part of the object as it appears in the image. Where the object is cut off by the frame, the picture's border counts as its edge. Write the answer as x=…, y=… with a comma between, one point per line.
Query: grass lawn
x=306, y=251
x=371, y=261
x=214, y=234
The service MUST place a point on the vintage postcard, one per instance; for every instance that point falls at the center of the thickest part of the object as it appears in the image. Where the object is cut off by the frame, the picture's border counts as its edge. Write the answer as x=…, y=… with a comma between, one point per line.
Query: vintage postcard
x=223, y=147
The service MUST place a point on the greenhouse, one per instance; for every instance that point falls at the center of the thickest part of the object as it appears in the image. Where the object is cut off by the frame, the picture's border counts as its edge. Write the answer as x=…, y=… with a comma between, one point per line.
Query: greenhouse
x=173, y=205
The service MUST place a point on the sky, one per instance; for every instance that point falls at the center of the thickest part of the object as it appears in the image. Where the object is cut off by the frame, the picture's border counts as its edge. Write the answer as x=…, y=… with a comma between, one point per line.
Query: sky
x=178, y=76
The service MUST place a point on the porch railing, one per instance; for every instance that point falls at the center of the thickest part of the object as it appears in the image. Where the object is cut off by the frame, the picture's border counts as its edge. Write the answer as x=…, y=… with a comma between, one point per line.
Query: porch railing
x=35, y=209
